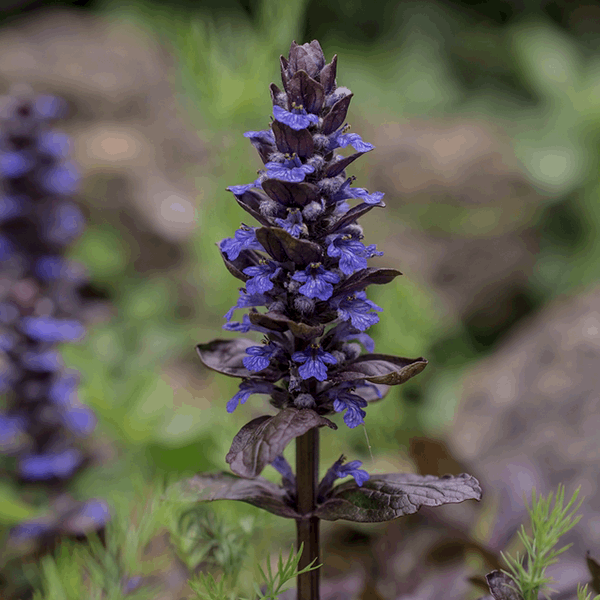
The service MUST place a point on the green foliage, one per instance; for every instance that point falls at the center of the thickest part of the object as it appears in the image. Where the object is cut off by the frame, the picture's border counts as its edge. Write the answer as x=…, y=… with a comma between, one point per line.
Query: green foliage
x=582, y=593
x=274, y=583
x=548, y=524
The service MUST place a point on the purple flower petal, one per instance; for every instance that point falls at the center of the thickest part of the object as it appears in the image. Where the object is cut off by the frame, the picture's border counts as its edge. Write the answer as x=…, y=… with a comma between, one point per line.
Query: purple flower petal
x=297, y=121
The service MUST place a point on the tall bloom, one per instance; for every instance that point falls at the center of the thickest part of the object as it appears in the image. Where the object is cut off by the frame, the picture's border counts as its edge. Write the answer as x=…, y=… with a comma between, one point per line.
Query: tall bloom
x=43, y=424
x=305, y=273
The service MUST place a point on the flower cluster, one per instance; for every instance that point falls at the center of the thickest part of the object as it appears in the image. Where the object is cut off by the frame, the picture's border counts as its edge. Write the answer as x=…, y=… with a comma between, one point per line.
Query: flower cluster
x=306, y=263
x=42, y=423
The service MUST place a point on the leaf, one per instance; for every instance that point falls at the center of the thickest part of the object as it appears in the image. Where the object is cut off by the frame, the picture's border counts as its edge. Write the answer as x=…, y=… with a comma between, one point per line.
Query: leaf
x=225, y=356
x=337, y=167
x=278, y=322
x=501, y=585
x=304, y=90
x=283, y=247
x=284, y=75
x=290, y=141
x=328, y=73
x=250, y=202
x=260, y=492
x=352, y=215
x=594, y=568
x=246, y=258
x=381, y=368
x=361, y=279
x=337, y=115
x=291, y=194
x=263, y=439
x=387, y=497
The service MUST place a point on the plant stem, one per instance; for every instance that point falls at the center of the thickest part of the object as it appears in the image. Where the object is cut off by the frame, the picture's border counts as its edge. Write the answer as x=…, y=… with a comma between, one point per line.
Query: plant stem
x=307, y=471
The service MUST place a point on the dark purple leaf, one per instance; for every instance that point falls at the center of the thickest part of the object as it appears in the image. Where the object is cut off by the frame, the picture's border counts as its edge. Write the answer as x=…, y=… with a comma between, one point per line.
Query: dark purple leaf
x=290, y=141
x=278, y=322
x=328, y=74
x=387, y=497
x=336, y=168
x=381, y=368
x=307, y=57
x=275, y=91
x=283, y=247
x=245, y=259
x=501, y=586
x=305, y=91
x=594, y=568
x=250, y=202
x=337, y=115
x=352, y=215
x=225, y=356
x=291, y=194
x=259, y=492
x=261, y=440
x=284, y=71
x=361, y=279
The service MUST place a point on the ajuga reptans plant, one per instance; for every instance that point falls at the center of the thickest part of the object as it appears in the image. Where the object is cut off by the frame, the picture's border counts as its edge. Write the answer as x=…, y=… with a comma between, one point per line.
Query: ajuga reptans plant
x=306, y=264
x=43, y=425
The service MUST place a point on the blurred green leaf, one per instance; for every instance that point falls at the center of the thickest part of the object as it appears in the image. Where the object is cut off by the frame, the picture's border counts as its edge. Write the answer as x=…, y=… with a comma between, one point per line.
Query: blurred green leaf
x=102, y=250
x=12, y=508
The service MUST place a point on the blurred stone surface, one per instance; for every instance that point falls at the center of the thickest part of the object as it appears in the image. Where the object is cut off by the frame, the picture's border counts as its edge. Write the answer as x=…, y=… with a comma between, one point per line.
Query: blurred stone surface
x=462, y=161
x=530, y=417
x=471, y=274
x=123, y=114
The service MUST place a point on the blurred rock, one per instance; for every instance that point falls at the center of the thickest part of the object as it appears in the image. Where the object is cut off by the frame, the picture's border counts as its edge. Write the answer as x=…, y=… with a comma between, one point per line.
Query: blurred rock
x=123, y=115
x=530, y=417
x=465, y=162
x=476, y=277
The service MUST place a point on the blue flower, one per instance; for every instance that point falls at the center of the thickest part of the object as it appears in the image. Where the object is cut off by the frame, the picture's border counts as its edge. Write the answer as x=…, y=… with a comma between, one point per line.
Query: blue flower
x=337, y=471
x=42, y=362
x=266, y=136
x=261, y=277
x=371, y=251
x=245, y=326
x=296, y=120
x=238, y=190
x=54, y=144
x=10, y=207
x=351, y=252
x=63, y=390
x=11, y=428
x=62, y=179
x=317, y=281
x=360, y=475
x=15, y=164
x=314, y=359
x=363, y=338
x=64, y=223
x=93, y=514
x=283, y=467
x=247, y=388
x=244, y=239
x=341, y=140
x=80, y=420
x=259, y=357
x=351, y=403
x=346, y=193
x=47, y=466
x=49, y=268
x=48, y=329
x=291, y=170
x=246, y=300
x=28, y=531
x=357, y=310
x=292, y=223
